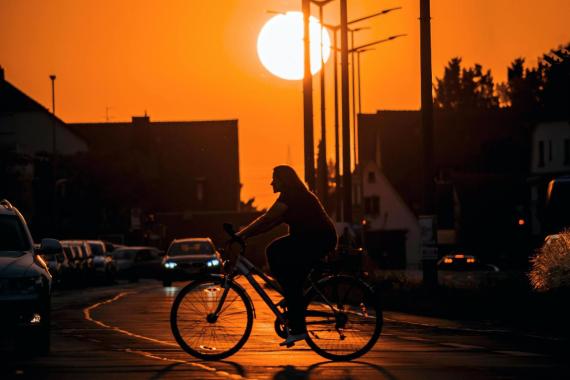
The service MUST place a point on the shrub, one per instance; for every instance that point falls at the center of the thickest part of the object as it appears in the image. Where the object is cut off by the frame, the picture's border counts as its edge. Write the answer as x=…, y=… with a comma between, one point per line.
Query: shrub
x=551, y=265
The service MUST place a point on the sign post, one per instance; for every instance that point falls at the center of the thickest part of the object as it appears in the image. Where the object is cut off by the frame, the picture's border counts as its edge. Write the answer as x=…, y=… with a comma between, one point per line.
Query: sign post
x=428, y=226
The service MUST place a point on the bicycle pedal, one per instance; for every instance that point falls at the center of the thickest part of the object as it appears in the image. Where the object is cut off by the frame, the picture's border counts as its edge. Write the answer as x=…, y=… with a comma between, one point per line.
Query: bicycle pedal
x=288, y=345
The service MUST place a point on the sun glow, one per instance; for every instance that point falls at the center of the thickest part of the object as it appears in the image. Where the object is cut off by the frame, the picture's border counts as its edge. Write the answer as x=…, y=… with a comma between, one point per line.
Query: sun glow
x=280, y=45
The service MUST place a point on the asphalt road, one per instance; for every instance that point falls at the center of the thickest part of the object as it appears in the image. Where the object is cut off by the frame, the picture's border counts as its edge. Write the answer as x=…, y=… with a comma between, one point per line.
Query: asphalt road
x=123, y=332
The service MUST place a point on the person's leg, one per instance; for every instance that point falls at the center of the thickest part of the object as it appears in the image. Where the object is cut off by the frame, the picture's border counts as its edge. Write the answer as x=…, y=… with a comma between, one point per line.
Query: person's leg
x=277, y=258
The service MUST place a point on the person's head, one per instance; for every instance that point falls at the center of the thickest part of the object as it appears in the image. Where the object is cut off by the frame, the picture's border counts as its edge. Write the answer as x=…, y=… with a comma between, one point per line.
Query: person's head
x=286, y=179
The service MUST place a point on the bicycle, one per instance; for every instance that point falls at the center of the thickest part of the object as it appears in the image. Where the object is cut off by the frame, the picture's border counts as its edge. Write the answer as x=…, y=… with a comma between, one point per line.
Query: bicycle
x=212, y=317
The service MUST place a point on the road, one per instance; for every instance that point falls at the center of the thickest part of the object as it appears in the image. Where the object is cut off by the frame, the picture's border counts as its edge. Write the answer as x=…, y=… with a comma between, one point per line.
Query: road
x=123, y=332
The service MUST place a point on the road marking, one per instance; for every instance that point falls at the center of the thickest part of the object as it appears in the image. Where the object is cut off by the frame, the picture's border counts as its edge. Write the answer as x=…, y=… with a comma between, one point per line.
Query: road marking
x=415, y=338
x=463, y=346
x=198, y=365
x=87, y=316
x=518, y=353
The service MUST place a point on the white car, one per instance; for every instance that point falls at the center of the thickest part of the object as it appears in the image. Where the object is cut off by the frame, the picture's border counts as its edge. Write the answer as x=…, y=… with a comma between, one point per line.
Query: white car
x=25, y=283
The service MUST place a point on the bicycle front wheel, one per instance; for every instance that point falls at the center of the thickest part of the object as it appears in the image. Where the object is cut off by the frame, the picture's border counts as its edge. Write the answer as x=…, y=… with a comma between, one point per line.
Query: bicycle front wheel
x=343, y=318
x=203, y=333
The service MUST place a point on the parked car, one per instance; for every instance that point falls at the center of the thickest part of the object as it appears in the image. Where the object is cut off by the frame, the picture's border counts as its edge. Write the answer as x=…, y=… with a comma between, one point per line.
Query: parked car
x=58, y=265
x=134, y=263
x=25, y=282
x=464, y=262
x=83, y=261
x=186, y=258
x=103, y=263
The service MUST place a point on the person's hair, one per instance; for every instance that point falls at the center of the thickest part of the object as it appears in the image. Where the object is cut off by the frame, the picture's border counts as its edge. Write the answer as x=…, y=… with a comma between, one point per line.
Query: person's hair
x=289, y=179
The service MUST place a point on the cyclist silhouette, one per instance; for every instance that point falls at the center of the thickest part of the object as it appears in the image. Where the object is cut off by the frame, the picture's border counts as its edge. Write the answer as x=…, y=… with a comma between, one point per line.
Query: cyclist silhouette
x=311, y=236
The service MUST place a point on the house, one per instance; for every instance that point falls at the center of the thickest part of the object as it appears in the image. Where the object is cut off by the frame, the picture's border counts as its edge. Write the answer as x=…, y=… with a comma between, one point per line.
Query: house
x=28, y=128
x=550, y=159
x=29, y=137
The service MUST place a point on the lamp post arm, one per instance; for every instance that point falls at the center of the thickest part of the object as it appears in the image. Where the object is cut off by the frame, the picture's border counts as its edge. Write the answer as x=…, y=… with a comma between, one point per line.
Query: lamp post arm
x=337, y=27
x=357, y=48
x=383, y=12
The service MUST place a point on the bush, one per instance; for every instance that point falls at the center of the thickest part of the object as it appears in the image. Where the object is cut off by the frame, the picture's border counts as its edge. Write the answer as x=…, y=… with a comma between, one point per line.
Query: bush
x=550, y=268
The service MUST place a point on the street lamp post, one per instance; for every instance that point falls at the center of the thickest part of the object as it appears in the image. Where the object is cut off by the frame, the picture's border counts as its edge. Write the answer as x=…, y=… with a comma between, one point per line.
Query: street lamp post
x=347, y=180
x=429, y=246
x=352, y=60
x=344, y=200
x=308, y=99
x=54, y=154
x=362, y=49
x=322, y=172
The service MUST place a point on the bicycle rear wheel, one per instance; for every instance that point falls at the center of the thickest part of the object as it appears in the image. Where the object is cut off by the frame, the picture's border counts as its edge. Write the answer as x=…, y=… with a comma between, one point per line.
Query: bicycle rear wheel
x=199, y=331
x=343, y=318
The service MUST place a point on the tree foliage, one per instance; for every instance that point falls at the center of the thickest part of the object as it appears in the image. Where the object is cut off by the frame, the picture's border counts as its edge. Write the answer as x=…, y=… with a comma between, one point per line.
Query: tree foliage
x=465, y=88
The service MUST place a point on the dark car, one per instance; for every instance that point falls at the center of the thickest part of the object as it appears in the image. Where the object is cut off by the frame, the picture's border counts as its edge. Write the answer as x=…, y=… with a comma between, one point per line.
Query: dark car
x=138, y=262
x=25, y=283
x=464, y=262
x=59, y=266
x=104, y=266
x=189, y=257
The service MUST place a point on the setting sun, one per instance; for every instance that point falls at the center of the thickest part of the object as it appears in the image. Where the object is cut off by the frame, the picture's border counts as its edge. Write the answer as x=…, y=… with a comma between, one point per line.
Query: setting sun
x=280, y=45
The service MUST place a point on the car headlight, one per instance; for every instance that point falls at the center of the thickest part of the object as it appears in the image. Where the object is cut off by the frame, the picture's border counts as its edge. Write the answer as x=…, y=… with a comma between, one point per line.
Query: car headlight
x=170, y=265
x=213, y=263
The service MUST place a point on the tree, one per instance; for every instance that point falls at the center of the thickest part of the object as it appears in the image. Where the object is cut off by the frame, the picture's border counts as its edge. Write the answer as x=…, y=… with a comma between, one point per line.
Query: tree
x=543, y=91
x=465, y=89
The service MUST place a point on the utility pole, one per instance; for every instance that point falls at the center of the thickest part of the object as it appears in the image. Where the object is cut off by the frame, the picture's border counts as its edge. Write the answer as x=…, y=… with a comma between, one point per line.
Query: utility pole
x=308, y=100
x=346, y=172
x=428, y=222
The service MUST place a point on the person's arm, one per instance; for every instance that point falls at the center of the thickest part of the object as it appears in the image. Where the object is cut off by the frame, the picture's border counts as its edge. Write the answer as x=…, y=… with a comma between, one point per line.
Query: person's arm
x=265, y=222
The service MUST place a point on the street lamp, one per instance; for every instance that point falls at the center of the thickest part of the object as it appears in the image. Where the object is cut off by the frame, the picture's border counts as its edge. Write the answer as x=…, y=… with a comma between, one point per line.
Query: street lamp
x=362, y=49
x=352, y=51
x=346, y=141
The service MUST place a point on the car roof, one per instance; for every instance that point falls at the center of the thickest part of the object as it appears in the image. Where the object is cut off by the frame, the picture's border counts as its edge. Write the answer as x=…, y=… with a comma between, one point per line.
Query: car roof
x=136, y=248
x=6, y=208
x=196, y=239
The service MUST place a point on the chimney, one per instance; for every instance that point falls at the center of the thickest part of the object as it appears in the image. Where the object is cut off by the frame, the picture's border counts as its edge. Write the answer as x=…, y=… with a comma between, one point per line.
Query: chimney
x=141, y=121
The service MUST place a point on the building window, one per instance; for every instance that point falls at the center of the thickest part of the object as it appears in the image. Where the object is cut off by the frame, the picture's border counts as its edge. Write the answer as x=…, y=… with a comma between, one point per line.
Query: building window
x=372, y=205
x=371, y=177
x=566, y=152
x=541, y=154
x=200, y=184
x=549, y=150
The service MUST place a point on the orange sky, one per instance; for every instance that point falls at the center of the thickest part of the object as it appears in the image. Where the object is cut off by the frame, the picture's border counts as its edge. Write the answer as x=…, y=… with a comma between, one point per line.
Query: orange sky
x=196, y=59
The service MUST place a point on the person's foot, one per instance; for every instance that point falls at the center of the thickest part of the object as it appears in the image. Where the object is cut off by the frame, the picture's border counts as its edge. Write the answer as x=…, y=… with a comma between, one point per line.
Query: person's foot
x=292, y=338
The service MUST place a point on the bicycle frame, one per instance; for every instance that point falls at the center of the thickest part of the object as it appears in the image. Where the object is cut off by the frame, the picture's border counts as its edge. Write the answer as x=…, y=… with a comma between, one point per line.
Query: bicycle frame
x=246, y=268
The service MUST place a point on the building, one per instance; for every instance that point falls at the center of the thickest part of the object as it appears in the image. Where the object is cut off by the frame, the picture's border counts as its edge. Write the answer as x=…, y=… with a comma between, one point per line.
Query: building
x=550, y=159
x=140, y=180
x=481, y=161
x=27, y=147
x=189, y=165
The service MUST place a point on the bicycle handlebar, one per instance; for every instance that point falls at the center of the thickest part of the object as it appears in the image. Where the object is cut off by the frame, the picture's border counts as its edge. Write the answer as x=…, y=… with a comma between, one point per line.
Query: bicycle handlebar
x=229, y=228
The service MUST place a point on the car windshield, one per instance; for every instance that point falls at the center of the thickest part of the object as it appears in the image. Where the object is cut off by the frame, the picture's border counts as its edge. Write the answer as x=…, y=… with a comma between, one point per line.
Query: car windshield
x=50, y=256
x=13, y=237
x=124, y=255
x=97, y=249
x=190, y=248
